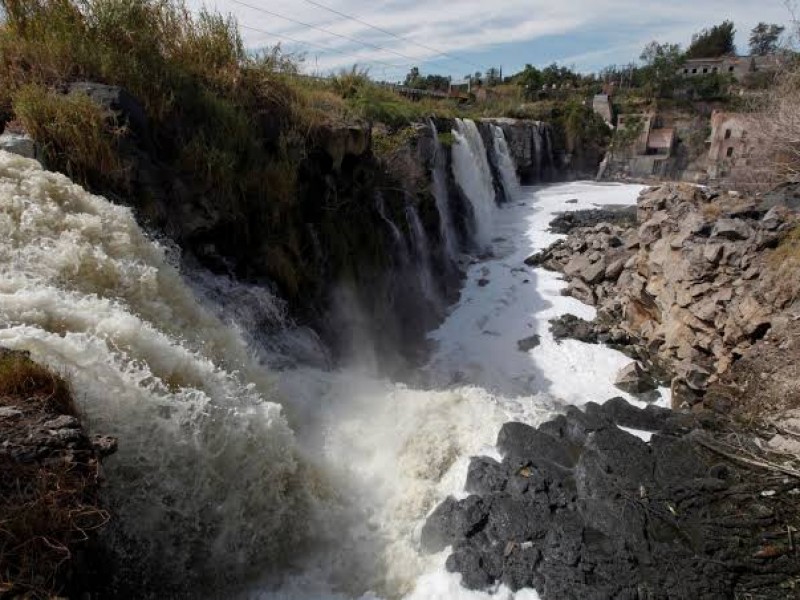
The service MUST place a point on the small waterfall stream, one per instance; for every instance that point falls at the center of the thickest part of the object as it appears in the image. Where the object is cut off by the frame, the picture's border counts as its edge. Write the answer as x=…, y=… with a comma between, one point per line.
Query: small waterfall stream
x=474, y=177
x=422, y=255
x=442, y=196
x=505, y=163
x=401, y=247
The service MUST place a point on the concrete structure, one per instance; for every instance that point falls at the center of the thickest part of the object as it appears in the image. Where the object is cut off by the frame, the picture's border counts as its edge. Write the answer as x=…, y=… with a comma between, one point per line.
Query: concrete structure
x=737, y=66
x=650, y=155
x=601, y=105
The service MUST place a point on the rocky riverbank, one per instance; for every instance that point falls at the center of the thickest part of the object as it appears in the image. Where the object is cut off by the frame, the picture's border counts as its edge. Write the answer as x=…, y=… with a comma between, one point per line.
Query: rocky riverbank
x=700, y=279
x=50, y=479
x=699, y=288
x=581, y=508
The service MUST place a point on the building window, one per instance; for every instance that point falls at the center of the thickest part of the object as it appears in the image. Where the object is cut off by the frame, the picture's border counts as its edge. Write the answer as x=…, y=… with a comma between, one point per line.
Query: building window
x=728, y=134
x=705, y=69
x=715, y=69
x=730, y=69
x=694, y=70
x=686, y=71
x=729, y=153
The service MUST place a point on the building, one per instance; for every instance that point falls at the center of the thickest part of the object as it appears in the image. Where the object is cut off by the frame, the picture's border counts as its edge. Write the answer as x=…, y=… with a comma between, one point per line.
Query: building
x=739, y=67
x=731, y=145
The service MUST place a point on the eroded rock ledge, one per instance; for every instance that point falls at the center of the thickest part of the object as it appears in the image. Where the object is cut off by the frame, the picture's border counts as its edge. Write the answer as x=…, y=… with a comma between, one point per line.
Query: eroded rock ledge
x=50, y=508
x=581, y=509
x=695, y=283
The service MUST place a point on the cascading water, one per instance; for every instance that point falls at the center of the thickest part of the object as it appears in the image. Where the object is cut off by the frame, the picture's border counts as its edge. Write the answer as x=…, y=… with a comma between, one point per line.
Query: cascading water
x=505, y=163
x=474, y=176
x=85, y=292
x=422, y=256
x=442, y=196
x=323, y=495
x=401, y=247
x=211, y=482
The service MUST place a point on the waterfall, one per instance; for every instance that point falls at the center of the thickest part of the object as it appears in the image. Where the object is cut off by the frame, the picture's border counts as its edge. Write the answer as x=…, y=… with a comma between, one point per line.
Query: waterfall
x=212, y=486
x=538, y=149
x=442, y=196
x=474, y=177
x=422, y=256
x=88, y=294
x=505, y=164
x=400, y=245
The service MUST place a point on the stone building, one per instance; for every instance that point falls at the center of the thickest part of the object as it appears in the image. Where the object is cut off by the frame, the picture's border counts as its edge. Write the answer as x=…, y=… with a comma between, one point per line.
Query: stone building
x=737, y=66
x=730, y=146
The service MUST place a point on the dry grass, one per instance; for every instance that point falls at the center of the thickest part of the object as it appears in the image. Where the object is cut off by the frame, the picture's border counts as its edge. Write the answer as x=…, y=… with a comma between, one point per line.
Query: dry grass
x=77, y=136
x=47, y=507
x=22, y=380
x=711, y=211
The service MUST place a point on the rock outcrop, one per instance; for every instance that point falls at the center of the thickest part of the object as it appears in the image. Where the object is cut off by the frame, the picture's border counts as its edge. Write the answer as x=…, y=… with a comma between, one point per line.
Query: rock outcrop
x=580, y=508
x=694, y=283
x=50, y=477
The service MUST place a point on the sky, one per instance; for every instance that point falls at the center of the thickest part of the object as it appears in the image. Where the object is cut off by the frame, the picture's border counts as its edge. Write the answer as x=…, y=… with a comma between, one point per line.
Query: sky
x=458, y=37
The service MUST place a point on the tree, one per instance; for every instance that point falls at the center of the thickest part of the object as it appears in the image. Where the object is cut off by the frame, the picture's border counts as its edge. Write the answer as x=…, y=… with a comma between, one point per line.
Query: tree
x=764, y=39
x=661, y=64
x=710, y=43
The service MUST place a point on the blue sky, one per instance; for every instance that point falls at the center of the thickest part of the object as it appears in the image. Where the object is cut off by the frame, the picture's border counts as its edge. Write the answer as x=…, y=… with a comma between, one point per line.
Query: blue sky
x=478, y=34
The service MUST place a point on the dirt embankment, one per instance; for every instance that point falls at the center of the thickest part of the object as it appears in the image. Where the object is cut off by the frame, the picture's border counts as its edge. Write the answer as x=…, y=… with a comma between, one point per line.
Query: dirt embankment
x=50, y=479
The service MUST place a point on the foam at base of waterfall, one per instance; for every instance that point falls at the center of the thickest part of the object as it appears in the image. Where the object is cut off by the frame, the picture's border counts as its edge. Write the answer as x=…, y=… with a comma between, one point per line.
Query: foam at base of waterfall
x=88, y=294
x=395, y=453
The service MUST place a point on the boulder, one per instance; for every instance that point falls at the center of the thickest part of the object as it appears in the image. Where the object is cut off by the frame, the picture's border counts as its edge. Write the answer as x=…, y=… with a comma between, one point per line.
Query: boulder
x=634, y=379
x=732, y=229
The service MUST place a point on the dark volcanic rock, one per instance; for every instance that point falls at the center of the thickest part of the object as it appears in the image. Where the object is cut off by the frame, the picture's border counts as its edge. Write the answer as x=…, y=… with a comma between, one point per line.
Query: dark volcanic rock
x=529, y=343
x=580, y=509
x=575, y=328
x=566, y=222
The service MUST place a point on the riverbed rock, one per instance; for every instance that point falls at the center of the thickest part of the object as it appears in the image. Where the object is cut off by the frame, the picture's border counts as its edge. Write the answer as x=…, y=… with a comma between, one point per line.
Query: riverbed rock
x=691, y=284
x=579, y=508
x=635, y=380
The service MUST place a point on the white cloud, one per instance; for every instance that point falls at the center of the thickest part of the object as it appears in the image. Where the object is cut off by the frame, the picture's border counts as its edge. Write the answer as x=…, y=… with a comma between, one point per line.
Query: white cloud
x=471, y=29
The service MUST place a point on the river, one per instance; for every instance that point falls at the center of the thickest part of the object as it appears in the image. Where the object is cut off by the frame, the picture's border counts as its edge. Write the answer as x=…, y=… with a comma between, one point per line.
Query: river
x=306, y=482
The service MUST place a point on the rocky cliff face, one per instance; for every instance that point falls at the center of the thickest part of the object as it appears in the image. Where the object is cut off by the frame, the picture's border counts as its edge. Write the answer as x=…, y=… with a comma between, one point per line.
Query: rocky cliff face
x=695, y=283
x=354, y=243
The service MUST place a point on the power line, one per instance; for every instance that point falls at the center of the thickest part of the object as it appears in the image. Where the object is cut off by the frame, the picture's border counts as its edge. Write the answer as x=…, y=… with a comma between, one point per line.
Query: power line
x=329, y=32
x=387, y=32
x=281, y=36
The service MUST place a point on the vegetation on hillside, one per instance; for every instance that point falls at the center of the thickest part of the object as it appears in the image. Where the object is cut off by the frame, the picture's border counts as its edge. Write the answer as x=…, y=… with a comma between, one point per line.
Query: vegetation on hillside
x=713, y=42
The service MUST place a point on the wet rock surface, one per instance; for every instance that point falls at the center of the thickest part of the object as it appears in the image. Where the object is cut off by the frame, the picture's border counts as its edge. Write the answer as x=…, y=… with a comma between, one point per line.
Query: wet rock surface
x=580, y=508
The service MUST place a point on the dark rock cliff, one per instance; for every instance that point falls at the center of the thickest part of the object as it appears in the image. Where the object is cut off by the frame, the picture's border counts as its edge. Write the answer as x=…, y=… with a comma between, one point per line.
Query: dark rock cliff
x=334, y=228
